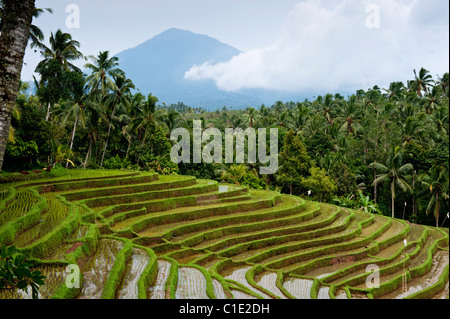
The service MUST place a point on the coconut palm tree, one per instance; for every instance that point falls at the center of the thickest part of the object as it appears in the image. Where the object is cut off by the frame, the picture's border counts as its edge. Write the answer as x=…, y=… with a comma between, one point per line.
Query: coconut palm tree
x=432, y=99
x=94, y=116
x=299, y=118
x=395, y=173
x=315, y=124
x=422, y=81
x=350, y=115
x=75, y=110
x=437, y=184
x=14, y=34
x=251, y=115
x=441, y=120
x=36, y=35
x=329, y=106
x=103, y=69
x=414, y=130
x=395, y=91
x=170, y=120
x=444, y=83
x=114, y=102
x=144, y=116
x=61, y=52
x=62, y=48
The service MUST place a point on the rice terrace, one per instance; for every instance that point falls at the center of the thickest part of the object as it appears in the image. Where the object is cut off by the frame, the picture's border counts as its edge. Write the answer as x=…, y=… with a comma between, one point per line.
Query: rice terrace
x=150, y=236
x=306, y=157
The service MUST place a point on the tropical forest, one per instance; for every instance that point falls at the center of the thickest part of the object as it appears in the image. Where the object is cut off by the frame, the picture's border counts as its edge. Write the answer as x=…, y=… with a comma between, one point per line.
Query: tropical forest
x=87, y=179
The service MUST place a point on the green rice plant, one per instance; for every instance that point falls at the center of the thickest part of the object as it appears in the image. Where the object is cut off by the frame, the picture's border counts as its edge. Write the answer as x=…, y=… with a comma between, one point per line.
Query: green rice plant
x=24, y=220
x=266, y=219
x=231, y=241
x=250, y=277
x=433, y=289
x=157, y=289
x=146, y=185
x=96, y=282
x=149, y=195
x=20, y=206
x=91, y=179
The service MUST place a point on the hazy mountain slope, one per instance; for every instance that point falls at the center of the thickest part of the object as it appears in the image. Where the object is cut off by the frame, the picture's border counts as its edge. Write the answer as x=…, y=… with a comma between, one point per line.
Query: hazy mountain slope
x=158, y=66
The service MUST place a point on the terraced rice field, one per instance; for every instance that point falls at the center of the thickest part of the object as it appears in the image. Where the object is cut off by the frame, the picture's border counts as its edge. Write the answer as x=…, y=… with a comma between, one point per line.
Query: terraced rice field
x=139, y=235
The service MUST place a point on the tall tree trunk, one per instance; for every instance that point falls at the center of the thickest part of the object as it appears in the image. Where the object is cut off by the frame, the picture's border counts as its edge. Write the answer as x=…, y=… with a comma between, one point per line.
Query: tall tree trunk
x=47, y=117
x=73, y=135
x=438, y=208
x=15, y=30
x=106, y=143
x=88, y=153
x=128, y=148
x=393, y=206
x=375, y=189
x=393, y=198
x=414, y=197
x=73, y=131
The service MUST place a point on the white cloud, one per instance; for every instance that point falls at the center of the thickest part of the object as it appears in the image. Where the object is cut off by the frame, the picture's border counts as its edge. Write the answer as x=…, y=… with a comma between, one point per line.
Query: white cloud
x=330, y=47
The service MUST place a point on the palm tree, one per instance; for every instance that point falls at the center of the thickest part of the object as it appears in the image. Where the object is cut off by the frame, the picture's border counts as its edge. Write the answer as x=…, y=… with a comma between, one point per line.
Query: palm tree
x=144, y=116
x=328, y=108
x=237, y=121
x=103, y=69
x=265, y=118
x=413, y=129
x=251, y=115
x=75, y=110
x=62, y=48
x=350, y=116
x=170, y=120
x=300, y=118
x=314, y=125
x=94, y=116
x=395, y=91
x=395, y=173
x=432, y=99
x=36, y=35
x=112, y=102
x=14, y=34
x=441, y=120
x=422, y=82
x=437, y=184
x=444, y=83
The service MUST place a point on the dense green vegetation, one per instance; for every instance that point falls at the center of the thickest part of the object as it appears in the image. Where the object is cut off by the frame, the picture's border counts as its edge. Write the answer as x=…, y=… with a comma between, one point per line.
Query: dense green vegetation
x=391, y=144
x=142, y=235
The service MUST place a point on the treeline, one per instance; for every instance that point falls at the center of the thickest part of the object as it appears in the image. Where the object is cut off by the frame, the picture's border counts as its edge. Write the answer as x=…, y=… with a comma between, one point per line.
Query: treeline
x=381, y=150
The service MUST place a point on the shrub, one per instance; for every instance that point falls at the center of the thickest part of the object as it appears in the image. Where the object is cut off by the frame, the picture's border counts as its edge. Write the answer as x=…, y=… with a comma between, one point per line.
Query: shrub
x=117, y=163
x=320, y=184
x=16, y=272
x=162, y=165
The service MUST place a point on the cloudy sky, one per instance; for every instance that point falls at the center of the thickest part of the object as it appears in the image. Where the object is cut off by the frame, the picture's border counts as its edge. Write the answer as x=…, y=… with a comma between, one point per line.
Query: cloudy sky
x=296, y=45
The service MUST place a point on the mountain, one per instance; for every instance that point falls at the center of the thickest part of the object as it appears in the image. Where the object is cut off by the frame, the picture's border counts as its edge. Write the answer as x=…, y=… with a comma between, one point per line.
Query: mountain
x=158, y=66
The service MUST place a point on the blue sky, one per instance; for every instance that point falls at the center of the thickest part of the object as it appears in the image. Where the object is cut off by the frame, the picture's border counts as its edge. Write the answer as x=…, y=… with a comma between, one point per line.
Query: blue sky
x=116, y=25
x=288, y=44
